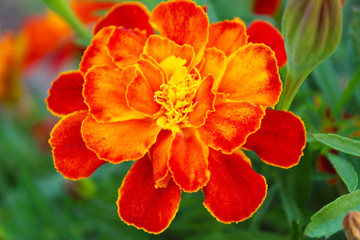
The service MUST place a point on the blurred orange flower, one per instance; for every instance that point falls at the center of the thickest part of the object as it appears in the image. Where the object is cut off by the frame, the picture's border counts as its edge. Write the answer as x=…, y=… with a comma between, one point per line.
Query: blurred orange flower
x=181, y=103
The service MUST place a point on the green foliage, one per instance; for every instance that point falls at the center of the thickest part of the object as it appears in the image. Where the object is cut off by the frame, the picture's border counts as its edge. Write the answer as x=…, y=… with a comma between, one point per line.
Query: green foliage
x=339, y=143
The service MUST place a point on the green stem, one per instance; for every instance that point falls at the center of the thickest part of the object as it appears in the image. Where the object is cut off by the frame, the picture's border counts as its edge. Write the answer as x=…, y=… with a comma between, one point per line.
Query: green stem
x=291, y=87
x=62, y=8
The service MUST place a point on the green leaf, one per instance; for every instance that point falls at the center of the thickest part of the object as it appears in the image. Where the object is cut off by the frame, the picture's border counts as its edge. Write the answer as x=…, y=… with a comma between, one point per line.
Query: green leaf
x=343, y=144
x=291, y=209
x=328, y=220
x=345, y=170
x=295, y=230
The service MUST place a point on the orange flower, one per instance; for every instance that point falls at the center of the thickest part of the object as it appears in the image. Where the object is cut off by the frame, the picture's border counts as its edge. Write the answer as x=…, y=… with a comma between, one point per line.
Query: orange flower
x=181, y=103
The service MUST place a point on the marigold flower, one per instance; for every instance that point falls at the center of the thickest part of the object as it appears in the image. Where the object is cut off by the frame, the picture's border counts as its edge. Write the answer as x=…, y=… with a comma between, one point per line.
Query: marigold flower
x=181, y=103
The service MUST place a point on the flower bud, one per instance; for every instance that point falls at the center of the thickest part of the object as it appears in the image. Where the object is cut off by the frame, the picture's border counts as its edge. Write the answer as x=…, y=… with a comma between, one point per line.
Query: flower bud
x=351, y=224
x=312, y=31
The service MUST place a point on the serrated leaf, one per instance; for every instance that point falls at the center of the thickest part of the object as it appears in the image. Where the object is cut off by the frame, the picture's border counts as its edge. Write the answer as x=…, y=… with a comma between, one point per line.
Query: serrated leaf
x=343, y=144
x=345, y=170
x=328, y=220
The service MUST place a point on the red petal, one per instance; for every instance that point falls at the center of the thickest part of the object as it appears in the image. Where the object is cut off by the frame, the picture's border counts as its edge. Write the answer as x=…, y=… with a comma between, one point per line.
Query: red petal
x=183, y=22
x=267, y=7
x=227, y=36
x=188, y=161
x=120, y=141
x=280, y=139
x=125, y=46
x=87, y=11
x=128, y=15
x=160, y=154
x=97, y=52
x=142, y=205
x=71, y=157
x=104, y=92
x=235, y=191
x=65, y=94
x=205, y=99
x=252, y=76
x=263, y=32
x=228, y=127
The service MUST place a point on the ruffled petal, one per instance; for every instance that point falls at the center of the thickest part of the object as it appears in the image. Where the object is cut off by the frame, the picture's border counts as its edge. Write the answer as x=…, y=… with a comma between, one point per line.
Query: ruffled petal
x=151, y=72
x=205, y=99
x=252, y=76
x=120, y=141
x=97, y=52
x=71, y=156
x=130, y=15
x=140, y=96
x=188, y=161
x=142, y=205
x=65, y=94
x=267, y=7
x=235, y=191
x=214, y=64
x=161, y=48
x=261, y=31
x=125, y=46
x=183, y=22
x=228, y=127
x=280, y=139
x=104, y=92
x=227, y=36
x=160, y=154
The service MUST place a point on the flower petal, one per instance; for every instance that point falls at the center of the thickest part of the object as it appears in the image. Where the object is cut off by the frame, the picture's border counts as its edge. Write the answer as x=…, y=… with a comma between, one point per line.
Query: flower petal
x=205, y=99
x=267, y=7
x=65, y=94
x=280, y=139
x=161, y=48
x=140, y=96
x=120, y=141
x=86, y=10
x=97, y=53
x=227, y=36
x=125, y=46
x=252, y=76
x=104, y=92
x=215, y=64
x=188, y=161
x=129, y=15
x=71, y=156
x=261, y=31
x=228, y=127
x=235, y=191
x=183, y=22
x=142, y=205
x=160, y=154
x=151, y=72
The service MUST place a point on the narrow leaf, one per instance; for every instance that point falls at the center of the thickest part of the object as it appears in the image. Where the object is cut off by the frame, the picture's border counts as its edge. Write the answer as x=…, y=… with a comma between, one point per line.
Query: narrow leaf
x=343, y=144
x=345, y=170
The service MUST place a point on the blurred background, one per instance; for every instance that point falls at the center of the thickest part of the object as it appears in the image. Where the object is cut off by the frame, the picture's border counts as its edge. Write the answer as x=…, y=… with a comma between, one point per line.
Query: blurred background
x=36, y=202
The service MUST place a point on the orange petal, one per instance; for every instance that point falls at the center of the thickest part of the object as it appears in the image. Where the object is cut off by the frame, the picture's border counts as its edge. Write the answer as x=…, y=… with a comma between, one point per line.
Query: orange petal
x=205, y=99
x=125, y=46
x=267, y=7
x=120, y=141
x=151, y=72
x=227, y=36
x=65, y=94
x=142, y=205
x=263, y=32
x=160, y=48
x=215, y=64
x=183, y=22
x=140, y=96
x=235, y=191
x=280, y=139
x=87, y=11
x=228, y=127
x=97, y=53
x=188, y=161
x=252, y=76
x=104, y=92
x=160, y=154
x=71, y=156
x=130, y=15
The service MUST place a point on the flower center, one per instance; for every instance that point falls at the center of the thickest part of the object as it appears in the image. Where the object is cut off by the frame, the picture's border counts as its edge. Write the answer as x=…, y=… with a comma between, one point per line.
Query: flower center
x=176, y=95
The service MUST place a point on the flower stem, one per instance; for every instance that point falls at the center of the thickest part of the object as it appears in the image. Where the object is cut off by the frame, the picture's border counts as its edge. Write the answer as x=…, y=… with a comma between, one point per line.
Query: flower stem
x=62, y=8
x=291, y=87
